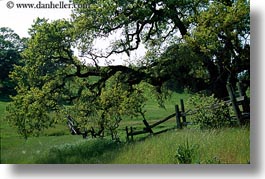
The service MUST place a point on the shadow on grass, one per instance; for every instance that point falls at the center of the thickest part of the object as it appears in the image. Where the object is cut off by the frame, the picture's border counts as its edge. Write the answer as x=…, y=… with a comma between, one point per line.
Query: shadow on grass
x=95, y=151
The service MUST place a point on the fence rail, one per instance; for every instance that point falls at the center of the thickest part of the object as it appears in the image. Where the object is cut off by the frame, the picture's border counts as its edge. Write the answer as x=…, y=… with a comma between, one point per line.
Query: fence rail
x=180, y=114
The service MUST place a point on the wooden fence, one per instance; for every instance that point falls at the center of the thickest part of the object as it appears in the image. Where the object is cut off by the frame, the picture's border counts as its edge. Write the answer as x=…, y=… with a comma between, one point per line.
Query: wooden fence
x=180, y=114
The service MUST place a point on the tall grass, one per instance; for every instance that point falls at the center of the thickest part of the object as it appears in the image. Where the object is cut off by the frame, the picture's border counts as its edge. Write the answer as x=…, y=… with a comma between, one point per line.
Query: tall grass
x=231, y=145
x=17, y=150
x=96, y=151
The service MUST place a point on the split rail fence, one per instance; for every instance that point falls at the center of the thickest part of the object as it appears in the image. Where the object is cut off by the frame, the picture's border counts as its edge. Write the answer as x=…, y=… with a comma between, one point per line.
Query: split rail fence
x=241, y=114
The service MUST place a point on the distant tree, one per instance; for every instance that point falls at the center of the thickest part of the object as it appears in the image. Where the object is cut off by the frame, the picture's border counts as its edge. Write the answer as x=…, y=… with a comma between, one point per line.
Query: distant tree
x=10, y=48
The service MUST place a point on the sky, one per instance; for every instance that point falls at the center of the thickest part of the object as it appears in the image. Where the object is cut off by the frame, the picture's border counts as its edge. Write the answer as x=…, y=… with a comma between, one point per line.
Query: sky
x=21, y=19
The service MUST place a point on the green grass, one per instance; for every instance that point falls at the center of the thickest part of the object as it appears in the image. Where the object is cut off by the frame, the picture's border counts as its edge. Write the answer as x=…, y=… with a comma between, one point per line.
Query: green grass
x=3, y=125
x=15, y=149
x=227, y=146
x=155, y=113
x=230, y=145
x=18, y=150
x=96, y=151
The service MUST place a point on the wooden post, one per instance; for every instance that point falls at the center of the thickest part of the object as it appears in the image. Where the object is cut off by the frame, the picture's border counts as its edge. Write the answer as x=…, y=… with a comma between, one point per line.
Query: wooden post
x=234, y=102
x=183, y=112
x=245, y=102
x=93, y=133
x=179, y=125
x=127, y=133
x=148, y=128
x=245, y=105
x=240, y=90
x=131, y=133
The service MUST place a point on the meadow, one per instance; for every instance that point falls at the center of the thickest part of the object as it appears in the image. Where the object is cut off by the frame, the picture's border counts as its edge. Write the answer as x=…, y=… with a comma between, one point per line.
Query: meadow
x=56, y=145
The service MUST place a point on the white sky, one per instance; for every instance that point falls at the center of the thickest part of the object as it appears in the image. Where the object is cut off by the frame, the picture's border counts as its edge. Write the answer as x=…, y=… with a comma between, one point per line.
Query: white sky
x=21, y=19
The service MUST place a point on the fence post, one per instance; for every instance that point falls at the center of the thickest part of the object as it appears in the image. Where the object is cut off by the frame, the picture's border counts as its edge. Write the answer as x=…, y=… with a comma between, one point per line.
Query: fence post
x=234, y=102
x=179, y=125
x=240, y=90
x=131, y=133
x=245, y=102
x=127, y=133
x=148, y=128
x=183, y=112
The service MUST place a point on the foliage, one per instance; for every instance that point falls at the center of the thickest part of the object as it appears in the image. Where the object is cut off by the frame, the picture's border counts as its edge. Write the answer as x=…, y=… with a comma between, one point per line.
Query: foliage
x=179, y=66
x=210, y=112
x=51, y=76
x=114, y=103
x=216, y=34
x=11, y=46
x=185, y=153
x=222, y=37
x=38, y=79
x=191, y=44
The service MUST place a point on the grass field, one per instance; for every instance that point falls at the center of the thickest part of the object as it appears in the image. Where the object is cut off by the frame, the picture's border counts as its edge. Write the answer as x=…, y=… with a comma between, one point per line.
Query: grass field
x=226, y=146
x=229, y=145
x=15, y=149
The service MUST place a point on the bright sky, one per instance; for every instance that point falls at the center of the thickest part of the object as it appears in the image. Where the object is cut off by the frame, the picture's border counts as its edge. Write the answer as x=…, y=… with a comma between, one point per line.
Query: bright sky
x=21, y=19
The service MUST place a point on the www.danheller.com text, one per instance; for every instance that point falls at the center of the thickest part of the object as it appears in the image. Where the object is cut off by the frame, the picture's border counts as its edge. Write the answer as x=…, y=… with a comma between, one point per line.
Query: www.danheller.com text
x=42, y=5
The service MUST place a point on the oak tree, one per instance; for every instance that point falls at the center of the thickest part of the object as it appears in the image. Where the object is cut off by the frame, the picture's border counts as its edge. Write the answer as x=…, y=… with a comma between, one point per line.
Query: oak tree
x=197, y=44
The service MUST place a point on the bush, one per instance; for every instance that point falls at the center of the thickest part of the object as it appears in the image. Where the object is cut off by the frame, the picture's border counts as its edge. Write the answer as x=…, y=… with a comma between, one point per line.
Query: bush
x=210, y=112
x=185, y=153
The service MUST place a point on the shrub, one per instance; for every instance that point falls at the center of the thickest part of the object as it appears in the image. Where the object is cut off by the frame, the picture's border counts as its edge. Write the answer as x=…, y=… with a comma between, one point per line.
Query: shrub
x=185, y=153
x=210, y=112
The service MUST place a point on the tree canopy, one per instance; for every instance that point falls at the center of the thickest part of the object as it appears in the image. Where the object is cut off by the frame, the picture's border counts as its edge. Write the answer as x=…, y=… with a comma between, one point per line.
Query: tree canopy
x=200, y=45
x=10, y=47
